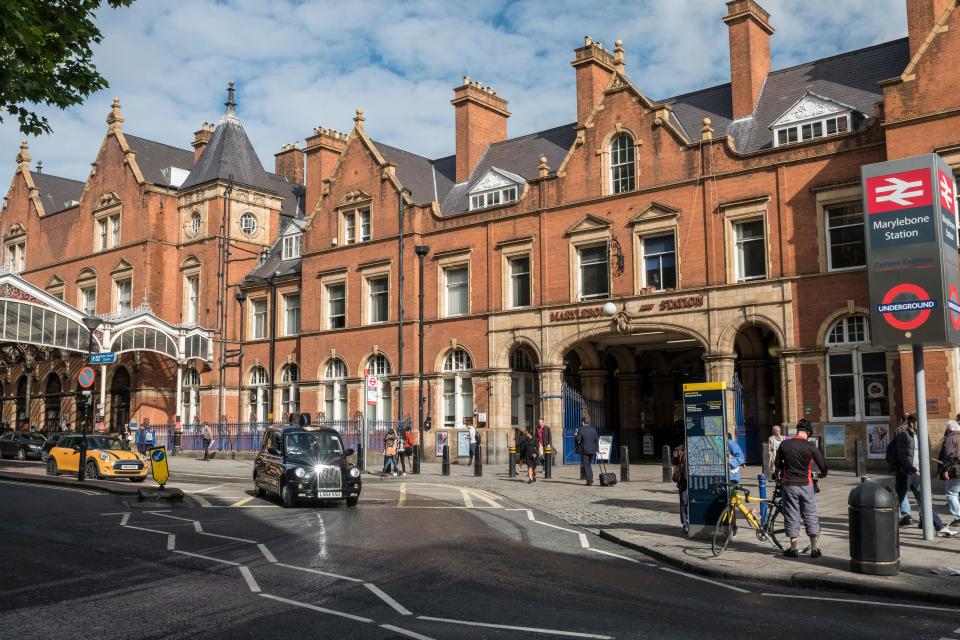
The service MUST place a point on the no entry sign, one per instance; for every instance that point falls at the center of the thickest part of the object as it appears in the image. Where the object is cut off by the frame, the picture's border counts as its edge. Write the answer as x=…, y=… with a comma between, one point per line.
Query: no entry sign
x=911, y=239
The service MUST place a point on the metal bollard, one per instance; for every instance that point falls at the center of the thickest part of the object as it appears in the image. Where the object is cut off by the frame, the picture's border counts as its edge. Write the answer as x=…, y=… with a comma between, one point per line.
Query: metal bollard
x=512, y=463
x=445, y=466
x=361, y=458
x=416, y=459
x=547, y=462
x=667, y=467
x=861, y=460
x=624, y=463
x=765, y=454
x=762, y=483
x=477, y=464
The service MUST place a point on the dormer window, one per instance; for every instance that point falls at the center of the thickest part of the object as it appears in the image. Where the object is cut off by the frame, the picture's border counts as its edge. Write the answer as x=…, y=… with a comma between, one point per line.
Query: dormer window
x=291, y=246
x=812, y=117
x=495, y=188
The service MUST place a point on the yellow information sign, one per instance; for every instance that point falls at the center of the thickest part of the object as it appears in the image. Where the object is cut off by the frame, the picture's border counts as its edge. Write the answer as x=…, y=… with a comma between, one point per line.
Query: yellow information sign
x=158, y=465
x=704, y=386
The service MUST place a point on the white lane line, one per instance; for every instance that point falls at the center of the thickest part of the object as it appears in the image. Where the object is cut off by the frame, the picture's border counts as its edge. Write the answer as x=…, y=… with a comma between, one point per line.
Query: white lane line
x=159, y=511
x=872, y=602
x=316, y=608
x=125, y=519
x=405, y=632
x=399, y=608
x=197, y=555
x=197, y=527
x=171, y=542
x=583, y=541
x=615, y=555
x=86, y=492
x=166, y=514
x=317, y=571
x=702, y=579
x=467, y=500
x=956, y=630
x=486, y=497
x=216, y=486
x=242, y=501
x=251, y=581
x=130, y=526
x=547, y=524
x=266, y=553
x=403, y=494
x=217, y=535
x=553, y=632
x=203, y=501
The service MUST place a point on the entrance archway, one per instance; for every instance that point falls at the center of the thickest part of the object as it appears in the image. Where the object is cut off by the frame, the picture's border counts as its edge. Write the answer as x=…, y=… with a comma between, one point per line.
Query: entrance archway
x=757, y=398
x=524, y=389
x=119, y=398
x=52, y=395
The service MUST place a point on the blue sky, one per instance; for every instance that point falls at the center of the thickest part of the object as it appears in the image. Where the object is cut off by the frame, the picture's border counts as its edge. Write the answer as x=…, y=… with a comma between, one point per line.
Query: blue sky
x=302, y=64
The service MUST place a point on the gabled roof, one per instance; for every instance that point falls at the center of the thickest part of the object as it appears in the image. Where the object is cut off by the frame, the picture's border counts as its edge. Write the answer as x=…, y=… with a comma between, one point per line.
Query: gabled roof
x=810, y=106
x=275, y=264
x=56, y=192
x=294, y=196
x=496, y=177
x=154, y=157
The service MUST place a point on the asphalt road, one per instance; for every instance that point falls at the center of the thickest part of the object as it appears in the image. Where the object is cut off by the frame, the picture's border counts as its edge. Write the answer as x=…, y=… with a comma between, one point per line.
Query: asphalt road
x=411, y=561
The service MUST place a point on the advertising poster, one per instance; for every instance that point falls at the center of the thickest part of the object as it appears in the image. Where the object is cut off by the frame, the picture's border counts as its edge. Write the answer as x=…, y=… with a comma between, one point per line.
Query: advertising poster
x=706, y=445
x=463, y=443
x=835, y=441
x=442, y=439
x=878, y=436
x=606, y=443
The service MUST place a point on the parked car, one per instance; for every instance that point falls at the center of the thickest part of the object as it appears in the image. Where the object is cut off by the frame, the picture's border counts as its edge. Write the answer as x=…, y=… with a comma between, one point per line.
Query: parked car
x=106, y=458
x=50, y=444
x=303, y=463
x=21, y=445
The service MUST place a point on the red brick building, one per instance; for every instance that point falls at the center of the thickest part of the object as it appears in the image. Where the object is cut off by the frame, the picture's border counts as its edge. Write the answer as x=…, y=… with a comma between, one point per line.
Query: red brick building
x=722, y=229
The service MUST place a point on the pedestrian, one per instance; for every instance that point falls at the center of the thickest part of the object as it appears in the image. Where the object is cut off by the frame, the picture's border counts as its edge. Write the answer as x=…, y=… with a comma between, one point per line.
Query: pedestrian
x=545, y=440
x=408, y=447
x=401, y=451
x=206, y=437
x=908, y=474
x=517, y=443
x=587, y=443
x=950, y=469
x=905, y=514
x=530, y=449
x=795, y=459
x=138, y=438
x=472, y=441
x=735, y=458
x=773, y=443
x=680, y=479
x=390, y=453
x=149, y=437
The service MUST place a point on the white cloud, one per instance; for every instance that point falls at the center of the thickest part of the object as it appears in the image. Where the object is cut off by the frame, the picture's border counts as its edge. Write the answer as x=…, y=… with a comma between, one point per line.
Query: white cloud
x=304, y=64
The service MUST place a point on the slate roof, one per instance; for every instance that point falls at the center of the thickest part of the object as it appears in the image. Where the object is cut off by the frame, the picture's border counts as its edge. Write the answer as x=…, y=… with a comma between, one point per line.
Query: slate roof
x=294, y=196
x=229, y=152
x=851, y=78
x=274, y=264
x=154, y=157
x=56, y=192
x=417, y=173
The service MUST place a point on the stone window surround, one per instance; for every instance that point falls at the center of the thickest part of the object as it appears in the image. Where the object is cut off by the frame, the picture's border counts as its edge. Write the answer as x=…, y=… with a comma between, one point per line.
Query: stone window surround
x=745, y=211
x=451, y=260
x=508, y=252
x=326, y=280
x=15, y=251
x=659, y=226
x=840, y=194
x=190, y=267
x=282, y=292
x=372, y=271
x=605, y=165
x=252, y=319
x=118, y=277
x=580, y=240
x=355, y=211
x=86, y=280
x=108, y=214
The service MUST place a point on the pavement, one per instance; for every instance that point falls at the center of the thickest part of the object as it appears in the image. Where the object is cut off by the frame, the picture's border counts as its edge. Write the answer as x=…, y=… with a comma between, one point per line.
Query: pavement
x=644, y=515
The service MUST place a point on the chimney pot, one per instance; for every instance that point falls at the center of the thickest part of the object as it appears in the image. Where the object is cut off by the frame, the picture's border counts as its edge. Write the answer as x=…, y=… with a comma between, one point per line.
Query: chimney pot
x=481, y=120
x=594, y=67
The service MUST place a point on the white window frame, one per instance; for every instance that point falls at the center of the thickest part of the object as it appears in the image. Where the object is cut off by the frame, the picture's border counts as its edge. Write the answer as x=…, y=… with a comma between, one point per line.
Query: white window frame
x=738, y=248
x=17, y=255
x=247, y=229
x=196, y=222
x=103, y=234
x=260, y=384
x=512, y=277
x=371, y=306
x=191, y=285
x=644, y=256
x=378, y=365
x=256, y=315
x=580, y=264
x=457, y=375
x=190, y=406
x=856, y=346
x=90, y=309
x=524, y=388
x=829, y=243
x=292, y=244
x=290, y=389
x=291, y=313
x=114, y=229
x=355, y=225
x=797, y=130
x=120, y=294
x=328, y=304
x=623, y=157
x=494, y=197
x=335, y=393
x=364, y=226
x=447, y=270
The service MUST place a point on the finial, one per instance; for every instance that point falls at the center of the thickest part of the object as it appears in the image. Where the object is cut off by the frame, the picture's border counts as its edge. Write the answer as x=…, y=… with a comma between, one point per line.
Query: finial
x=231, y=102
x=466, y=79
x=39, y=166
x=706, y=131
x=544, y=168
x=115, y=118
x=23, y=158
x=358, y=119
x=618, y=60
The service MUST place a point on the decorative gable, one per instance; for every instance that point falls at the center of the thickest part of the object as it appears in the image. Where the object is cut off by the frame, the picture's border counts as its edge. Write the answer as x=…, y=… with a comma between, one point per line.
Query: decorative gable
x=121, y=267
x=588, y=223
x=496, y=179
x=15, y=230
x=654, y=211
x=811, y=107
x=355, y=197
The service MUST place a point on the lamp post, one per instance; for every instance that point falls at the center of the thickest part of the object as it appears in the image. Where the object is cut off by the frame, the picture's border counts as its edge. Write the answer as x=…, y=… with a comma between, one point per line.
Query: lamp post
x=91, y=323
x=240, y=297
x=421, y=250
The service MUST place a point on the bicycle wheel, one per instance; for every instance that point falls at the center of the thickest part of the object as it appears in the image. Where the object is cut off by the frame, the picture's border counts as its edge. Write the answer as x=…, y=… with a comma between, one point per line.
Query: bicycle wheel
x=775, y=530
x=723, y=530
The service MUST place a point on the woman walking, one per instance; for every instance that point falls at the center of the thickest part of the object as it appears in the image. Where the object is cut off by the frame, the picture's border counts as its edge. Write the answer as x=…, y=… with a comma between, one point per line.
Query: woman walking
x=531, y=454
x=390, y=453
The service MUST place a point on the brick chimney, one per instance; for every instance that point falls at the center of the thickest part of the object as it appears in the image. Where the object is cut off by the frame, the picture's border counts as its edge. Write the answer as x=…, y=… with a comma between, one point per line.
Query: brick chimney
x=750, y=31
x=322, y=152
x=922, y=15
x=200, y=140
x=289, y=162
x=595, y=66
x=481, y=120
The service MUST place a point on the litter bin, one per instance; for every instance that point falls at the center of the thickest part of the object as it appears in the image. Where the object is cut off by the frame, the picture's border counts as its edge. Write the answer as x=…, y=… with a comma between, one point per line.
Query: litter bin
x=874, y=534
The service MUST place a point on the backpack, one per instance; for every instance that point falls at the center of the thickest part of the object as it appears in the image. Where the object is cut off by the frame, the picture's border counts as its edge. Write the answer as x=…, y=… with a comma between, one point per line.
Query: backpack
x=892, y=457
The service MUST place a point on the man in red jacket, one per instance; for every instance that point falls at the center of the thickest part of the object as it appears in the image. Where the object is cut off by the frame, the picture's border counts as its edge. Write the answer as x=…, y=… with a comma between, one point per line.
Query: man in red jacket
x=795, y=459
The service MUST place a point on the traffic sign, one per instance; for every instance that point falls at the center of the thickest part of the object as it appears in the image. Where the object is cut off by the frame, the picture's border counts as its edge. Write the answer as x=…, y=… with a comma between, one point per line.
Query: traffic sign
x=158, y=465
x=103, y=358
x=371, y=390
x=86, y=377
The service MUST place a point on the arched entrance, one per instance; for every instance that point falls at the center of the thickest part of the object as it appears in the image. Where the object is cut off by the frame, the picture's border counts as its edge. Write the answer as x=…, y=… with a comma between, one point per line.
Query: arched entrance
x=22, y=415
x=52, y=396
x=119, y=398
x=757, y=399
x=524, y=389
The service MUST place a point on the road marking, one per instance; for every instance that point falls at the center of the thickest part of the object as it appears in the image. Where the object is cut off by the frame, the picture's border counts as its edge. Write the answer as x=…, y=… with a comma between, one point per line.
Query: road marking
x=266, y=553
x=125, y=519
x=583, y=541
x=171, y=542
x=251, y=581
x=399, y=608
x=316, y=608
x=956, y=630
x=217, y=535
x=467, y=500
x=404, y=632
x=547, y=524
x=86, y=492
x=216, y=486
x=203, y=501
x=165, y=514
x=554, y=632
x=529, y=513
x=486, y=497
x=615, y=555
x=317, y=571
x=242, y=501
x=882, y=604
x=196, y=526
x=197, y=555
x=702, y=579
x=403, y=494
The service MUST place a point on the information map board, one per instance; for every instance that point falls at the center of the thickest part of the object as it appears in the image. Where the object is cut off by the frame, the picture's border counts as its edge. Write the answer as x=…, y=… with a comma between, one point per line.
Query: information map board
x=704, y=417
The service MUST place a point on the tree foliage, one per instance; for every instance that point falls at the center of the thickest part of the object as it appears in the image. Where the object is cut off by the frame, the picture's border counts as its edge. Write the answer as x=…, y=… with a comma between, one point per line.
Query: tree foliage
x=46, y=57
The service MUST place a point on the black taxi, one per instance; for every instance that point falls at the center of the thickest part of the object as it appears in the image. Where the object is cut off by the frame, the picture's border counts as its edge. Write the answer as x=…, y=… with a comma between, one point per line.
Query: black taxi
x=304, y=463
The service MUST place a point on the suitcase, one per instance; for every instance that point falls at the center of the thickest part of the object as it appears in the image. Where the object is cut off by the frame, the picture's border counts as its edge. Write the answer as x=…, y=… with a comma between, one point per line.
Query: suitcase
x=607, y=479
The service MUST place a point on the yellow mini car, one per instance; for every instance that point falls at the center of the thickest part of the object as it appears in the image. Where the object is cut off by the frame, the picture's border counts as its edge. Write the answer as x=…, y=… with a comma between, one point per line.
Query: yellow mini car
x=106, y=458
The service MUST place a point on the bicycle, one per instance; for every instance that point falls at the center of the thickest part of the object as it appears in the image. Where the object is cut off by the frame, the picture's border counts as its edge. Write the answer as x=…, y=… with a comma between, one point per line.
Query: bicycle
x=770, y=528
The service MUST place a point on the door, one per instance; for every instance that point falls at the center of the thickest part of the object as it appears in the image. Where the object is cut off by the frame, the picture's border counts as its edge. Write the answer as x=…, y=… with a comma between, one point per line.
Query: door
x=67, y=458
x=119, y=399
x=7, y=447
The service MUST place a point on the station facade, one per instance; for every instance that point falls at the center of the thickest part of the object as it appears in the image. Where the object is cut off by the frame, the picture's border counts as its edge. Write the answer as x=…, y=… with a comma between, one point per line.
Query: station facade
x=595, y=266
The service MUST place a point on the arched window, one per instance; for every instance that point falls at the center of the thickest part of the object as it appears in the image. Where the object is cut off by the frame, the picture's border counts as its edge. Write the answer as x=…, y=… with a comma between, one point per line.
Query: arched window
x=457, y=389
x=51, y=403
x=290, y=389
x=524, y=388
x=858, y=387
x=622, y=164
x=379, y=366
x=195, y=223
x=258, y=394
x=248, y=223
x=335, y=390
x=191, y=397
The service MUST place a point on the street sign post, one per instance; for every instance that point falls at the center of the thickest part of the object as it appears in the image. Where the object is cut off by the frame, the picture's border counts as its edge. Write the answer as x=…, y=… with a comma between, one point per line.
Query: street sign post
x=705, y=438
x=103, y=358
x=910, y=218
x=372, y=390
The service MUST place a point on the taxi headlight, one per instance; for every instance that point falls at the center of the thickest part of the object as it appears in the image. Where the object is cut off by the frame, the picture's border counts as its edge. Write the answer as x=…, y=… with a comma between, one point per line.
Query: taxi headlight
x=105, y=457
x=299, y=472
x=354, y=472
x=318, y=468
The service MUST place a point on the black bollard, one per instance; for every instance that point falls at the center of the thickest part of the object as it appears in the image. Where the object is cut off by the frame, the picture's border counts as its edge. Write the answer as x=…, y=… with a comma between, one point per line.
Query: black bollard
x=861, y=462
x=547, y=462
x=512, y=463
x=667, y=468
x=360, y=458
x=445, y=468
x=416, y=459
x=624, y=463
x=477, y=464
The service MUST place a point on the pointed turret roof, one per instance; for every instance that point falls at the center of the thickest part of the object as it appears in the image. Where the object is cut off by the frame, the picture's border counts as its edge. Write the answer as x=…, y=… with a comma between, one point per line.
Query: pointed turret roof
x=229, y=153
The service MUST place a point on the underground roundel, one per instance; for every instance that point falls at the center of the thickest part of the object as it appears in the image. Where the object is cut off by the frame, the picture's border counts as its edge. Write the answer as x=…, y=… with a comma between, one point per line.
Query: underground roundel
x=906, y=306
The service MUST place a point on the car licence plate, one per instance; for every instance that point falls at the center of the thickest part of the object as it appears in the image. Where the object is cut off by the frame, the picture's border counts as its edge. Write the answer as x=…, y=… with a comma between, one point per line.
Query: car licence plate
x=128, y=466
x=329, y=494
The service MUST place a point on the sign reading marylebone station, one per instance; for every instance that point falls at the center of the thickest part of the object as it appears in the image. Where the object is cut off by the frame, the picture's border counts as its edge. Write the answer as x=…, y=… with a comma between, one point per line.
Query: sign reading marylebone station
x=911, y=238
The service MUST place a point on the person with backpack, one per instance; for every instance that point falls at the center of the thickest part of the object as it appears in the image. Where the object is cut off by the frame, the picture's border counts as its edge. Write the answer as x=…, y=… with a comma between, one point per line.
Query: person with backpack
x=907, y=465
x=390, y=453
x=950, y=469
